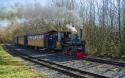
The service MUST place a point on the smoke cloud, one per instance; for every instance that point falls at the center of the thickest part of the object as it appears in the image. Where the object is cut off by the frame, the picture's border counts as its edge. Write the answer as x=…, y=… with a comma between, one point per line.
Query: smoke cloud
x=71, y=28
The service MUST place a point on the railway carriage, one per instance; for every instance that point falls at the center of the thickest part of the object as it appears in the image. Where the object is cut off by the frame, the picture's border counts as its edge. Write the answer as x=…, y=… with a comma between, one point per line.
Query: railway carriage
x=21, y=40
x=36, y=41
x=50, y=40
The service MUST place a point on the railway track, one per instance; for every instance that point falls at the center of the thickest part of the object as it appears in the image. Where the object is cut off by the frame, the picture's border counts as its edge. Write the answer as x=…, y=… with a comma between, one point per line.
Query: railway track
x=112, y=71
x=117, y=63
x=76, y=73
x=75, y=68
x=99, y=60
x=103, y=61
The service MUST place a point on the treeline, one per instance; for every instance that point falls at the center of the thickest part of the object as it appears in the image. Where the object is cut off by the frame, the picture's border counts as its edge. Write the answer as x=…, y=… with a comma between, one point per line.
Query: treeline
x=103, y=22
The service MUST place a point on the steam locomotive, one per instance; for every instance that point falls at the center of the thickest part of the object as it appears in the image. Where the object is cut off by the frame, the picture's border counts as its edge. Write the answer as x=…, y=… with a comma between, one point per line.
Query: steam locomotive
x=66, y=42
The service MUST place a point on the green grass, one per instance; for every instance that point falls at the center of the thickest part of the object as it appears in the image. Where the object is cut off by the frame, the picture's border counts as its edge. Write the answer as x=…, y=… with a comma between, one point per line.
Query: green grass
x=13, y=67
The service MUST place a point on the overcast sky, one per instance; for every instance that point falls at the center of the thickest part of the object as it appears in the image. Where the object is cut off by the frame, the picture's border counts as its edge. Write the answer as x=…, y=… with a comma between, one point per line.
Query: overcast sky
x=10, y=3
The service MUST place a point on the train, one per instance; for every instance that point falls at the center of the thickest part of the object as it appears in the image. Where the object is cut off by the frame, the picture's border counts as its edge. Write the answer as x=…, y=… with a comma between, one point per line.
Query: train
x=66, y=42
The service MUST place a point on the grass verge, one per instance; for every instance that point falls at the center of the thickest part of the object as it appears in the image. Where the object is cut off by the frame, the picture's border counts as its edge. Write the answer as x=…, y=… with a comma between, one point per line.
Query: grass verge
x=13, y=67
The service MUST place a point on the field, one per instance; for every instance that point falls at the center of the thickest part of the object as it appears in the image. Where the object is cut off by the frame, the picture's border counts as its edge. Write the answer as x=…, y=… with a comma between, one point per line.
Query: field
x=14, y=67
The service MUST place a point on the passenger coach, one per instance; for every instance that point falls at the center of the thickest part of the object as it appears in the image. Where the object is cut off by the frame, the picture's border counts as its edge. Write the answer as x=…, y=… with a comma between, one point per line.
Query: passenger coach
x=50, y=40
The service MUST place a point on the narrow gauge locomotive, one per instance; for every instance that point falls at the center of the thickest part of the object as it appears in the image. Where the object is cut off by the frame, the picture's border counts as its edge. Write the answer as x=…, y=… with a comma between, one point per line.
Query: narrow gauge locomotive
x=65, y=42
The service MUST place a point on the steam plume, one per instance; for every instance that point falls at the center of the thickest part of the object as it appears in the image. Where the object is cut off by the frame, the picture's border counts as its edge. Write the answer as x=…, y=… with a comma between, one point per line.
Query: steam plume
x=71, y=28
